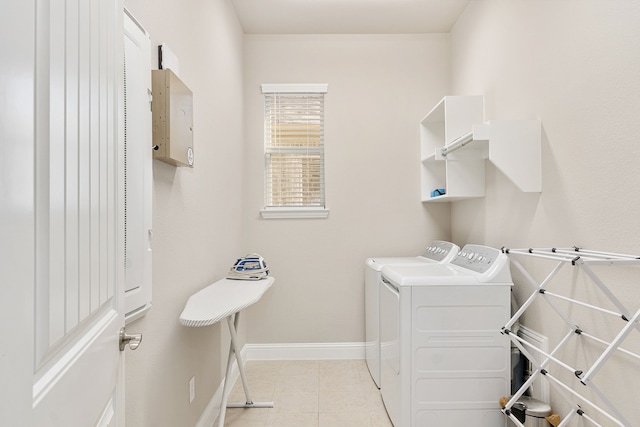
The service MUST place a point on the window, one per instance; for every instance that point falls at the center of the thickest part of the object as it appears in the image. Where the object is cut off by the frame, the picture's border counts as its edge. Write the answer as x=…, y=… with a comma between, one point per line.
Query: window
x=294, y=151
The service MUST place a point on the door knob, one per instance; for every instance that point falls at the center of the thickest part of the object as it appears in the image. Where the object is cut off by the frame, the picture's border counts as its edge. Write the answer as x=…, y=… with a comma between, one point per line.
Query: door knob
x=132, y=340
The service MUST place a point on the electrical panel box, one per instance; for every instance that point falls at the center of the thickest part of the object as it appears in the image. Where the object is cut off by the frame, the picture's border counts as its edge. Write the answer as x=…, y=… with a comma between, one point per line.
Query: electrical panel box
x=172, y=112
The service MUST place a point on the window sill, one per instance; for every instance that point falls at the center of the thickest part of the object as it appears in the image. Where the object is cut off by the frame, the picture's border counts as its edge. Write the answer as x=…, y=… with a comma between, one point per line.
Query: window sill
x=293, y=213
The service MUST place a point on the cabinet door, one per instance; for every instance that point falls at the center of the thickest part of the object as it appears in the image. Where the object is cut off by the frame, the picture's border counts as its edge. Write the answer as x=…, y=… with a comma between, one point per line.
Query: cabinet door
x=138, y=168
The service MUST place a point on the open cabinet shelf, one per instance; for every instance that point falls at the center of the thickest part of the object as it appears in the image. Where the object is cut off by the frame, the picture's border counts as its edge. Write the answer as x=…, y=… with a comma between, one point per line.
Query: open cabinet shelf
x=462, y=177
x=455, y=141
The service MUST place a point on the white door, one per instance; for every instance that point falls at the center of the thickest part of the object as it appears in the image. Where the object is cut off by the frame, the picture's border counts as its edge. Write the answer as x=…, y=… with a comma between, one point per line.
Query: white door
x=61, y=301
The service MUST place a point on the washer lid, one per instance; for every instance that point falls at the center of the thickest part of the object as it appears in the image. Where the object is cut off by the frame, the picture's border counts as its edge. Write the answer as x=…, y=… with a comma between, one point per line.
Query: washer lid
x=438, y=251
x=428, y=274
x=474, y=264
x=378, y=263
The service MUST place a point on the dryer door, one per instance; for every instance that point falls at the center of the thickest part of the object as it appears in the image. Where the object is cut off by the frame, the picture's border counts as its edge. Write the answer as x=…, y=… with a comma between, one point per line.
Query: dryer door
x=390, y=349
x=372, y=322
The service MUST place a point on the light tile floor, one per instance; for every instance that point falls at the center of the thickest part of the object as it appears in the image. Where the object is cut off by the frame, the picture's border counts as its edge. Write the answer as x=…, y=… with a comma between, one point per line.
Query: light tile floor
x=309, y=393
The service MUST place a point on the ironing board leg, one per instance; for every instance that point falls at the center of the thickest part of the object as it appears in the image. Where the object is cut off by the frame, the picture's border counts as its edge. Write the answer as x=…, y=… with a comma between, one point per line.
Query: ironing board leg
x=225, y=391
x=233, y=325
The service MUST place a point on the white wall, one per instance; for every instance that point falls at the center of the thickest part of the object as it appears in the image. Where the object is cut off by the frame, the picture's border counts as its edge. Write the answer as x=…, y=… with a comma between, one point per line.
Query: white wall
x=574, y=64
x=380, y=87
x=197, y=216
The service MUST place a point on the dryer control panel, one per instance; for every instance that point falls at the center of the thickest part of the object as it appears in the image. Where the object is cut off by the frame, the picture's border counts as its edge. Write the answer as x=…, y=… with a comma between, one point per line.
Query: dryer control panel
x=439, y=250
x=478, y=258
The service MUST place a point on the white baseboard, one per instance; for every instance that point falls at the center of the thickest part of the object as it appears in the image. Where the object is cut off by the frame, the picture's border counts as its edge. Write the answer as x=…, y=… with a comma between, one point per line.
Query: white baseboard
x=209, y=417
x=299, y=351
x=305, y=351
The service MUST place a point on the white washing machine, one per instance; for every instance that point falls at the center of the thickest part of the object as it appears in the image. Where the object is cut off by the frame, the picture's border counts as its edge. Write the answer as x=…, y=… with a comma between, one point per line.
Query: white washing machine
x=444, y=361
x=438, y=252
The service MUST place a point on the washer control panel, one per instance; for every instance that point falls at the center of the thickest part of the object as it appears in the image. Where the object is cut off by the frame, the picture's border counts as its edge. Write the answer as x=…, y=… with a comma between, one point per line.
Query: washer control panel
x=439, y=250
x=477, y=257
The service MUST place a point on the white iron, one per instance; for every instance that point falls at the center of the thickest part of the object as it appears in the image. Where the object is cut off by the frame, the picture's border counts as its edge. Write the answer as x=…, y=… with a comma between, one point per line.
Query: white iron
x=249, y=267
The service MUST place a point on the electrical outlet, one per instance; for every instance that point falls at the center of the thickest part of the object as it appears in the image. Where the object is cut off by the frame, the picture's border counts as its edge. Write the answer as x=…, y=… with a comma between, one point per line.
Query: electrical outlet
x=192, y=389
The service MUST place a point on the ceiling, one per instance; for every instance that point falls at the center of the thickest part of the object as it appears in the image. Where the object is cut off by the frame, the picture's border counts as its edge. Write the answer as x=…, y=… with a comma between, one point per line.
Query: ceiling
x=348, y=16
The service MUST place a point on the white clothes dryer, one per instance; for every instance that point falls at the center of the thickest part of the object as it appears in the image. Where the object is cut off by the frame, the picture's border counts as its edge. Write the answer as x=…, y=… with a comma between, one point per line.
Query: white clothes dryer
x=444, y=361
x=438, y=252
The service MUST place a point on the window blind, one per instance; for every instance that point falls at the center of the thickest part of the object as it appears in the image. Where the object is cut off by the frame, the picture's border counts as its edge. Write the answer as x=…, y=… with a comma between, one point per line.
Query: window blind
x=294, y=146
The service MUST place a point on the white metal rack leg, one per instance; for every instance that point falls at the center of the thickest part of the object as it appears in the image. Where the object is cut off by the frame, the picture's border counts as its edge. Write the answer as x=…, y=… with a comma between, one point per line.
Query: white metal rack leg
x=582, y=259
x=232, y=321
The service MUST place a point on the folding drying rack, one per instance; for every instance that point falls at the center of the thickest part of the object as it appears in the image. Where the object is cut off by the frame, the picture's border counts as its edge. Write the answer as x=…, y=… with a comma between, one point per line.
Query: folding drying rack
x=582, y=259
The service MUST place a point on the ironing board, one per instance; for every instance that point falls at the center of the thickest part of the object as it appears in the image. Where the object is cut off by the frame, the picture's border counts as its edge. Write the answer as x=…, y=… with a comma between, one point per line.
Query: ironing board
x=226, y=298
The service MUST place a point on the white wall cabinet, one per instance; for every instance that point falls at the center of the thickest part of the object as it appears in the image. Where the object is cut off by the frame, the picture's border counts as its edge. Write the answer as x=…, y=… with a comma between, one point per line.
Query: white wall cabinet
x=456, y=124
